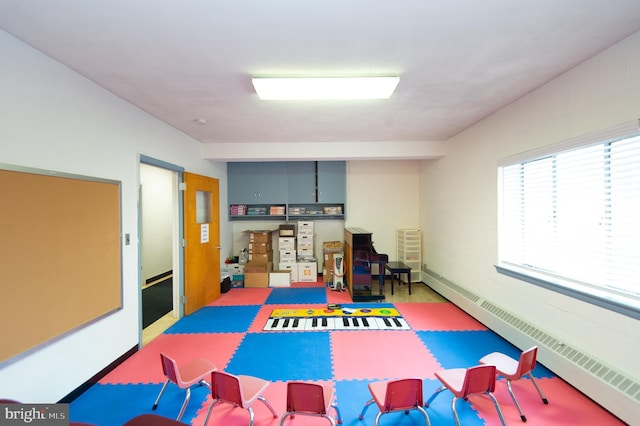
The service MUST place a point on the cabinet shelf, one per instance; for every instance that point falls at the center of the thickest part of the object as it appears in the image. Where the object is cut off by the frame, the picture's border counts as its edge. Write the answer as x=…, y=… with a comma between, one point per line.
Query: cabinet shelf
x=248, y=212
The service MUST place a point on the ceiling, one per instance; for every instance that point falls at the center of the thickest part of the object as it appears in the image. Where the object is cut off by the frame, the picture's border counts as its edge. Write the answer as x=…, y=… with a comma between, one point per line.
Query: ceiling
x=192, y=60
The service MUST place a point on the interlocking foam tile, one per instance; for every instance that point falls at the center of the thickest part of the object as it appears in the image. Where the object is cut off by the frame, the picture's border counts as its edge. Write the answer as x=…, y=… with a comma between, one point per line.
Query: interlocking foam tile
x=265, y=312
x=216, y=319
x=297, y=295
x=242, y=296
x=144, y=366
x=380, y=355
x=113, y=405
x=284, y=356
x=338, y=297
x=437, y=316
x=440, y=413
x=461, y=349
x=566, y=405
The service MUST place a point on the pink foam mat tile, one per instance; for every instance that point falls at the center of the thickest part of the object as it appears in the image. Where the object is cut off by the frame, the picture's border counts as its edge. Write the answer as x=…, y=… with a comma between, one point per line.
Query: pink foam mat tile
x=265, y=311
x=567, y=406
x=144, y=366
x=242, y=296
x=300, y=284
x=437, y=317
x=338, y=297
x=276, y=394
x=359, y=355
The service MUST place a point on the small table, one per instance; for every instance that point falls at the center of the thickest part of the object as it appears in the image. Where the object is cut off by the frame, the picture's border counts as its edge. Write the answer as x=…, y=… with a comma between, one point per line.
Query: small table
x=398, y=268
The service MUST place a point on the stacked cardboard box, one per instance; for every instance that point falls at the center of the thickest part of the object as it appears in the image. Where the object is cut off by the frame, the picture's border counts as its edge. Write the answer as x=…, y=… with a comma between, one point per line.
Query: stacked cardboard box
x=256, y=271
x=287, y=248
x=307, y=264
x=329, y=250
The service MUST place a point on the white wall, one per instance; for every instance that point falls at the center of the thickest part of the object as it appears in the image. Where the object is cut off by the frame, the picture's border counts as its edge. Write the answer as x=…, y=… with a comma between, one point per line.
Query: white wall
x=459, y=204
x=52, y=118
x=156, y=211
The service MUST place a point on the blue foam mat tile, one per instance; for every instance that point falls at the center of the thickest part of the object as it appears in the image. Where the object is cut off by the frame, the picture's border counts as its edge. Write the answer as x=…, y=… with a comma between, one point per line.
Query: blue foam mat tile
x=439, y=409
x=461, y=349
x=113, y=405
x=216, y=319
x=297, y=295
x=283, y=356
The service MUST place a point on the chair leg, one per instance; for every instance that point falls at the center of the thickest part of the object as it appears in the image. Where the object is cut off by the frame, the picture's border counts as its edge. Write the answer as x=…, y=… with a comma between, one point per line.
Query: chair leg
x=206, y=419
x=184, y=404
x=515, y=401
x=377, y=422
x=164, y=386
x=424, y=413
x=284, y=417
x=432, y=397
x=535, y=383
x=338, y=416
x=364, y=409
x=265, y=402
x=455, y=412
x=495, y=402
x=251, y=416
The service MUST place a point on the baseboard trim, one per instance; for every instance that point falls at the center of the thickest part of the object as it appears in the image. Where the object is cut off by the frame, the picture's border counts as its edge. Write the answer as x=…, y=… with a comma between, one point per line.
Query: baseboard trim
x=93, y=380
x=159, y=276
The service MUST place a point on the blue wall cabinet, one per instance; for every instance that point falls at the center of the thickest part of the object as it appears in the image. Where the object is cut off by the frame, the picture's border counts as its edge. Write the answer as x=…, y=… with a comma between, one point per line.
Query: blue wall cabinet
x=257, y=183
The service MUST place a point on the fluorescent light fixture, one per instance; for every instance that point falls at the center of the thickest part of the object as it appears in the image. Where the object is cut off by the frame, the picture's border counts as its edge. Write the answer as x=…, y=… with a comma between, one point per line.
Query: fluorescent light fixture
x=324, y=88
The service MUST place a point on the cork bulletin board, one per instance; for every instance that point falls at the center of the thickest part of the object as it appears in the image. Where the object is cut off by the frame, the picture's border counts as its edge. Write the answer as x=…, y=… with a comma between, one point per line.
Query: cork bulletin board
x=60, y=255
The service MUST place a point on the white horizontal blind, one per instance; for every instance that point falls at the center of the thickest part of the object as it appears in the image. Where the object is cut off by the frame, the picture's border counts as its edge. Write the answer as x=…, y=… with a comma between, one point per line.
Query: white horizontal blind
x=575, y=214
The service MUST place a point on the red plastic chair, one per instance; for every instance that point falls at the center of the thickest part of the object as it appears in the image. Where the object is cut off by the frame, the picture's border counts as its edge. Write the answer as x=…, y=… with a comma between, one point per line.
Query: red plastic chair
x=466, y=382
x=184, y=376
x=152, y=420
x=310, y=399
x=511, y=369
x=240, y=391
x=396, y=395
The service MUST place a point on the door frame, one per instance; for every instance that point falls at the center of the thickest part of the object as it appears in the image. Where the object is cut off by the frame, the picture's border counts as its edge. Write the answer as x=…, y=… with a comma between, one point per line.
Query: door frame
x=178, y=238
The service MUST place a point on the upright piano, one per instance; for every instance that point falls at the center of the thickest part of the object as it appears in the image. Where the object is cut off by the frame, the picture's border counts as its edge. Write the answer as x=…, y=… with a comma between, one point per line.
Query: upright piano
x=360, y=255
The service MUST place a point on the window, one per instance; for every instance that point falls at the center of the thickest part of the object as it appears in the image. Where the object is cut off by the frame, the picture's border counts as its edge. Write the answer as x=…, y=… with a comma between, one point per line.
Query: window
x=569, y=218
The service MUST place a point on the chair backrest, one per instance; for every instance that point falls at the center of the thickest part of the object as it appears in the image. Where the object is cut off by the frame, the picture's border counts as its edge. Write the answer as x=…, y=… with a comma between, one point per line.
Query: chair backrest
x=527, y=361
x=403, y=394
x=479, y=379
x=169, y=368
x=306, y=398
x=226, y=387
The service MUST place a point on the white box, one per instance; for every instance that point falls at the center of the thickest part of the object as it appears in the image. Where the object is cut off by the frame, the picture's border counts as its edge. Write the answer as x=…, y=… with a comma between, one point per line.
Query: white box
x=291, y=267
x=288, y=256
x=235, y=269
x=305, y=253
x=286, y=243
x=305, y=241
x=280, y=279
x=305, y=227
x=307, y=271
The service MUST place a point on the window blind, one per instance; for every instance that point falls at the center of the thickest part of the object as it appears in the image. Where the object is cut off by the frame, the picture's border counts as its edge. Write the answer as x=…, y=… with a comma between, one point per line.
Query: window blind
x=572, y=212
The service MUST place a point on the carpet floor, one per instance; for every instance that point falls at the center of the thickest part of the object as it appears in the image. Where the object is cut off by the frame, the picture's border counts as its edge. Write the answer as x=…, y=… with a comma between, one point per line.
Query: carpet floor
x=229, y=332
x=157, y=301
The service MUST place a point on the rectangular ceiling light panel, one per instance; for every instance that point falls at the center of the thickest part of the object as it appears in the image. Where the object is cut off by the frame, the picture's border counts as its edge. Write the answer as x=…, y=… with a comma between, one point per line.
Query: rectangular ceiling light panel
x=324, y=88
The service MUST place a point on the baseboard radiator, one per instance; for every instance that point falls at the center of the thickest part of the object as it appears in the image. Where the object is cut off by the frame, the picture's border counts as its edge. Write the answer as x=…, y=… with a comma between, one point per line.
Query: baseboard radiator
x=615, y=391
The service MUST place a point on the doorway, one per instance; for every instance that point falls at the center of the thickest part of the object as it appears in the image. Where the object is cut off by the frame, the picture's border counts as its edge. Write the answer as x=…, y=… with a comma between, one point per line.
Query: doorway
x=160, y=233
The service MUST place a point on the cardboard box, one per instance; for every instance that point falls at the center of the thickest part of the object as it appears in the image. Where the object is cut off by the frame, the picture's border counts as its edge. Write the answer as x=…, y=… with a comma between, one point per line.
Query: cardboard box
x=335, y=246
x=286, y=243
x=259, y=236
x=288, y=256
x=305, y=227
x=292, y=268
x=257, y=275
x=305, y=241
x=287, y=230
x=236, y=269
x=259, y=247
x=307, y=271
x=260, y=257
x=327, y=266
x=280, y=279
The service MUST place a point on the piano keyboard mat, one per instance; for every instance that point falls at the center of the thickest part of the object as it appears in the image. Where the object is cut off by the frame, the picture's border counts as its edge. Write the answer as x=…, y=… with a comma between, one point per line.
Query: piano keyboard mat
x=314, y=319
x=229, y=332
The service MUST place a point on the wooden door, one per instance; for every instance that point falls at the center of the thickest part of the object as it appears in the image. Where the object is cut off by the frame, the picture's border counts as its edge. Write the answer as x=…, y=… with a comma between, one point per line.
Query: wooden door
x=202, y=241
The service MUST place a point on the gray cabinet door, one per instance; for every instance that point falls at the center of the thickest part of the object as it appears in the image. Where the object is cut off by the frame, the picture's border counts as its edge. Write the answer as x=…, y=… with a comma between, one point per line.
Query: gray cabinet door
x=332, y=182
x=257, y=183
x=301, y=178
